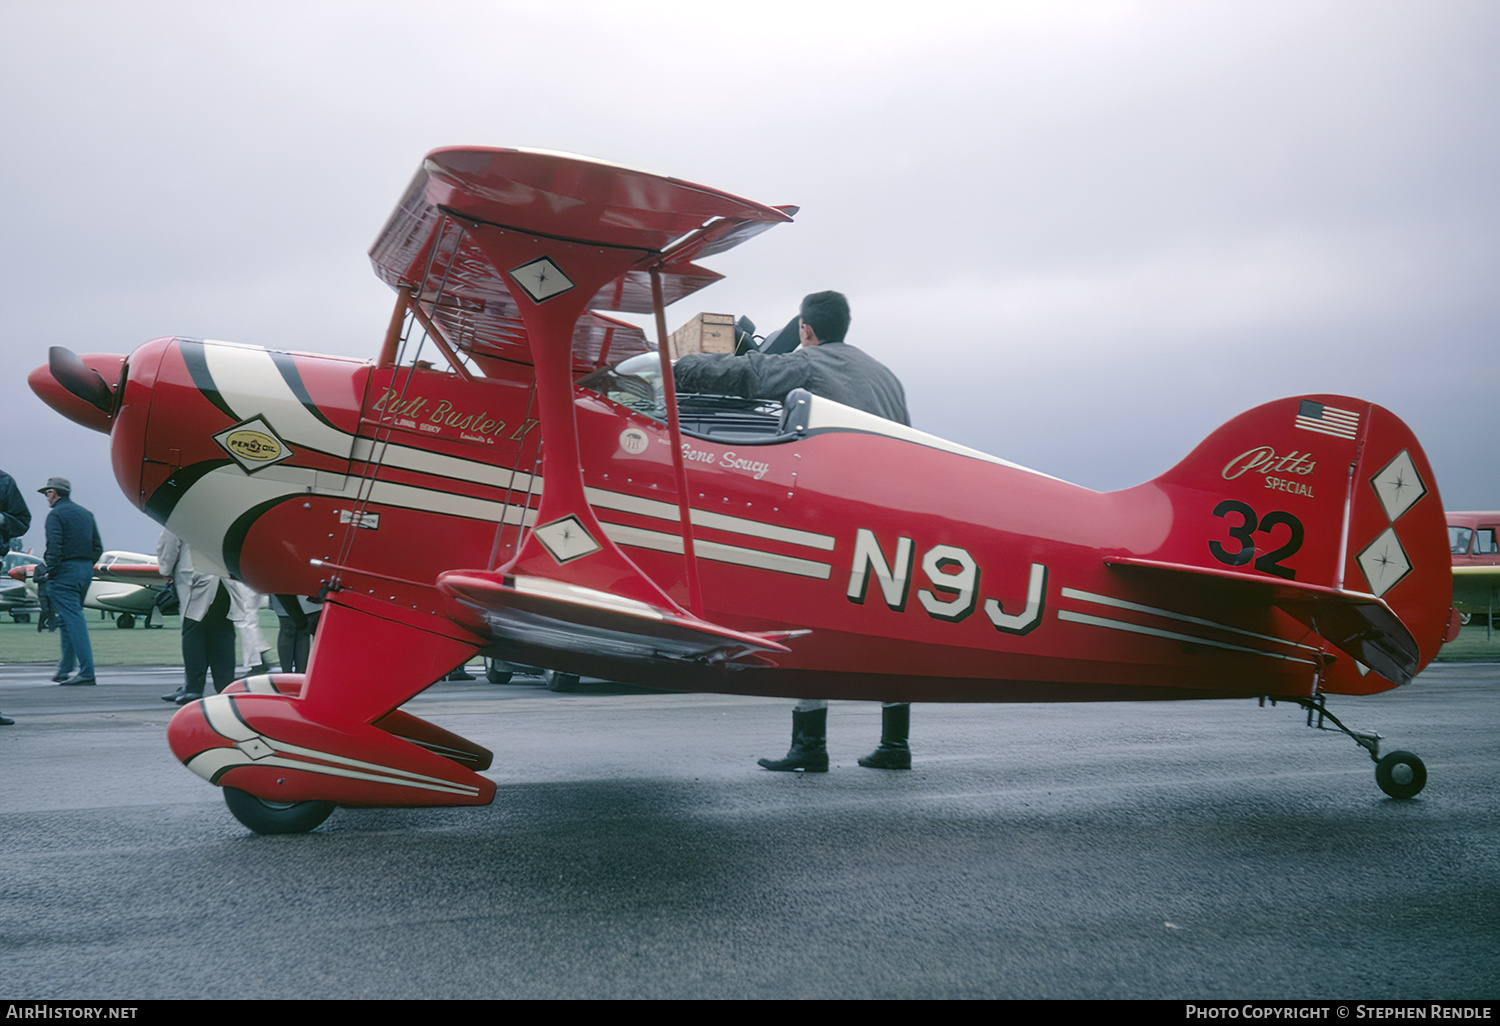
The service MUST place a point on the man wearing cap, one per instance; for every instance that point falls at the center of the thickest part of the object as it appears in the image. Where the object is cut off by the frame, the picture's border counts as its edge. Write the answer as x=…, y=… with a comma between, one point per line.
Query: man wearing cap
x=73, y=547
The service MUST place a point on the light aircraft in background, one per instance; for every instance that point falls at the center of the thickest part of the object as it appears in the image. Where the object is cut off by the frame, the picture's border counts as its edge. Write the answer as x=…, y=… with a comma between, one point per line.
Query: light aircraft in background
x=16, y=599
x=1474, y=543
x=125, y=586
x=585, y=518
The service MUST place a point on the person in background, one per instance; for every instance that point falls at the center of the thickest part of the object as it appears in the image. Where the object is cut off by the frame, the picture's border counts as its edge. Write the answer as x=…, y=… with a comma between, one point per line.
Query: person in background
x=207, y=634
x=298, y=616
x=244, y=606
x=73, y=547
x=15, y=520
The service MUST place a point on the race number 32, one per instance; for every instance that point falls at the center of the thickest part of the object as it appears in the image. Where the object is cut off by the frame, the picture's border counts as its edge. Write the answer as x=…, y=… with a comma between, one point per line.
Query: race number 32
x=1242, y=525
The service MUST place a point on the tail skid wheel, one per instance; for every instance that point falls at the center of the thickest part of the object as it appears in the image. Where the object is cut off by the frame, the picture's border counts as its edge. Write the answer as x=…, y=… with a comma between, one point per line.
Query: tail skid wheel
x=1401, y=775
x=275, y=817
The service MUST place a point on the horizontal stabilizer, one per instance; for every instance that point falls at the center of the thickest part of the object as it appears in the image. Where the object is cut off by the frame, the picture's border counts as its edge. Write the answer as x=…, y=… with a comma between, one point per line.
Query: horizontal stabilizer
x=1356, y=623
x=538, y=615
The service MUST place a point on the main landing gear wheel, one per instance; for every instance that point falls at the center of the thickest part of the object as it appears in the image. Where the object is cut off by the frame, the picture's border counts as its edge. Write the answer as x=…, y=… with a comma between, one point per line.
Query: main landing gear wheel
x=561, y=681
x=1401, y=775
x=275, y=817
x=125, y=621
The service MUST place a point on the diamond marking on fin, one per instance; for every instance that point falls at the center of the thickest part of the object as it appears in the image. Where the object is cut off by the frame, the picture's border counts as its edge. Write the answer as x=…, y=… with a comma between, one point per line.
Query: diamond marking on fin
x=1384, y=562
x=1399, y=485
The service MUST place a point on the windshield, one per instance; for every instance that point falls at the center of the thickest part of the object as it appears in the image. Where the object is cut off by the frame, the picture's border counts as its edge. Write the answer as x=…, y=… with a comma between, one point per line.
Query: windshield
x=635, y=383
x=1458, y=540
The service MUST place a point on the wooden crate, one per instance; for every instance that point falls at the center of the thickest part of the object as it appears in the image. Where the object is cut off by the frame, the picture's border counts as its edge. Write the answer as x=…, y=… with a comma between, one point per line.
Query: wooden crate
x=706, y=333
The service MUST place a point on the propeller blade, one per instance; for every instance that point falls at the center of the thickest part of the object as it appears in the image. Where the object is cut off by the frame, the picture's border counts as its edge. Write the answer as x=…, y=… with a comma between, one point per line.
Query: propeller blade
x=80, y=379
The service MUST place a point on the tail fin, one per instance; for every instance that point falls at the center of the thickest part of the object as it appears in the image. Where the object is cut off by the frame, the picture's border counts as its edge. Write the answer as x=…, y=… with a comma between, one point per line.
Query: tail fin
x=1326, y=507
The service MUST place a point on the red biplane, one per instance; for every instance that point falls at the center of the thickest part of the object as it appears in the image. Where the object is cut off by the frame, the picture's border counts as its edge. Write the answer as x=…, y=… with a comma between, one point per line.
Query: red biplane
x=524, y=497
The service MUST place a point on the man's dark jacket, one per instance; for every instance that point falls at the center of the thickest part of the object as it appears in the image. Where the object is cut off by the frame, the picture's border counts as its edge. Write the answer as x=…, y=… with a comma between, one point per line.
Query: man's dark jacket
x=15, y=515
x=833, y=370
x=71, y=534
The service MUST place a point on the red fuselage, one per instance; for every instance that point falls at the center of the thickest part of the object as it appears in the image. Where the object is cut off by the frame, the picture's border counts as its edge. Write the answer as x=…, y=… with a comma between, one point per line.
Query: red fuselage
x=921, y=569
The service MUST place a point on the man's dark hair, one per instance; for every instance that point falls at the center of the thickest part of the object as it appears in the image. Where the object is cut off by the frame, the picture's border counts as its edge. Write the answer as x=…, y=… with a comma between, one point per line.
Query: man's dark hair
x=827, y=313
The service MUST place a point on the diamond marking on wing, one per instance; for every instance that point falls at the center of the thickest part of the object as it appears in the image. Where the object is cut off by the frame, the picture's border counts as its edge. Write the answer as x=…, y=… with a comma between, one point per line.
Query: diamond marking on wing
x=566, y=540
x=1399, y=485
x=1384, y=562
x=542, y=279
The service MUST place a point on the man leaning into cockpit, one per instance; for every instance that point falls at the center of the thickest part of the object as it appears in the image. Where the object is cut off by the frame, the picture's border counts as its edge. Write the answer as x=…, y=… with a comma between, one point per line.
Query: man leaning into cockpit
x=829, y=367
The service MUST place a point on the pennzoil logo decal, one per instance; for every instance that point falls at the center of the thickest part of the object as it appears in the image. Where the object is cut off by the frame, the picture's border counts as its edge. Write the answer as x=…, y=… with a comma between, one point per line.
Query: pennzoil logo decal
x=254, y=444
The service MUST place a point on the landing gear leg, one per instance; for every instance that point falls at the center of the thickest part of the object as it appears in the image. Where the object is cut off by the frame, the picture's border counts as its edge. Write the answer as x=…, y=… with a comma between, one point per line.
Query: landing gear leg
x=1399, y=774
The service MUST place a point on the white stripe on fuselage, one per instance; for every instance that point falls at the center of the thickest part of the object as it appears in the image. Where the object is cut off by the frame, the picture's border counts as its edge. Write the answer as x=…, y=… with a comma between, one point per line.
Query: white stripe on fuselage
x=247, y=375
x=250, y=382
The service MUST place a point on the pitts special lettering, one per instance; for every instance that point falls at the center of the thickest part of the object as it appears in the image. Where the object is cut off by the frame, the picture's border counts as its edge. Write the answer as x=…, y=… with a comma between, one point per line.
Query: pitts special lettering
x=954, y=578
x=1263, y=459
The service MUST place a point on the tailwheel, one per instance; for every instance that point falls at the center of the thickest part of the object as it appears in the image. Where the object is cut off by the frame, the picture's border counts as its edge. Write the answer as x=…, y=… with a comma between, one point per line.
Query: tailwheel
x=1401, y=775
x=275, y=817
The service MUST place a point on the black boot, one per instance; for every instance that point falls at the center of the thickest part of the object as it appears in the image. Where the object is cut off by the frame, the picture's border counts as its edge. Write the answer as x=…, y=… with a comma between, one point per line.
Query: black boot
x=894, y=752
x=809, y=751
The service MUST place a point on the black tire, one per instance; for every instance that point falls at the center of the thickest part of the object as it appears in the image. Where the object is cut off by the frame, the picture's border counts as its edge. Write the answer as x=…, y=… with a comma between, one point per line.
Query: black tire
x=125, y=621
x=497, y=672
x=1401, y=775
x=561, y=681
x=275, y=817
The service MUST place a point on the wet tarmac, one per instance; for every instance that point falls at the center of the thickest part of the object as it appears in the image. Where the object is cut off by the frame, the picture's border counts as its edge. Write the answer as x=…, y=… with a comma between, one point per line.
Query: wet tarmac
x=1187, y=850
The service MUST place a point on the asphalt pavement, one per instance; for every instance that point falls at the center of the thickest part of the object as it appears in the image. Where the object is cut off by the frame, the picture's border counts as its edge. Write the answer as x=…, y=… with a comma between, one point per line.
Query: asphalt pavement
x=1191, y=850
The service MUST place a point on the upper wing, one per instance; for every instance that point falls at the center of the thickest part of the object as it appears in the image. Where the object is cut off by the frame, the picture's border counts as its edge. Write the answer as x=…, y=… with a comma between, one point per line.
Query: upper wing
x=427, y=245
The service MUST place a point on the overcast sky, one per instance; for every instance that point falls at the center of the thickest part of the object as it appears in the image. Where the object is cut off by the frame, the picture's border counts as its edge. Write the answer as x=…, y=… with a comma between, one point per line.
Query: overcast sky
x=1083, y=234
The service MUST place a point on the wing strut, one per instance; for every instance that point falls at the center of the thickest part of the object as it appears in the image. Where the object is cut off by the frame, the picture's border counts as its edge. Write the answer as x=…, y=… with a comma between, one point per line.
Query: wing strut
x=674, y=434
x=543, y=240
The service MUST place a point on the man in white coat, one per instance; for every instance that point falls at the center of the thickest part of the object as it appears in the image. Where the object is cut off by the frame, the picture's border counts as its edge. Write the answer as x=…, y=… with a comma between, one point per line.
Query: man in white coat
x=207, y=634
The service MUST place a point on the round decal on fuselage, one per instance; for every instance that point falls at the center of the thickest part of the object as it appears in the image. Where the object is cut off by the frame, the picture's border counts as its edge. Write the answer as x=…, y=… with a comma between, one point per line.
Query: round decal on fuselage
x=634, y=441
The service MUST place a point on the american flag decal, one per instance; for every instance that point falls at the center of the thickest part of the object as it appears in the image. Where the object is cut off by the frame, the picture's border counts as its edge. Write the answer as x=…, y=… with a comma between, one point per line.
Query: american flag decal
x=1326, y=420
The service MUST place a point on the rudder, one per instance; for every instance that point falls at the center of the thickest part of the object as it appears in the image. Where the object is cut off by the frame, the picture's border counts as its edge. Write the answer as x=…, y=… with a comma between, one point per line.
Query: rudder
x=1320, y=490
